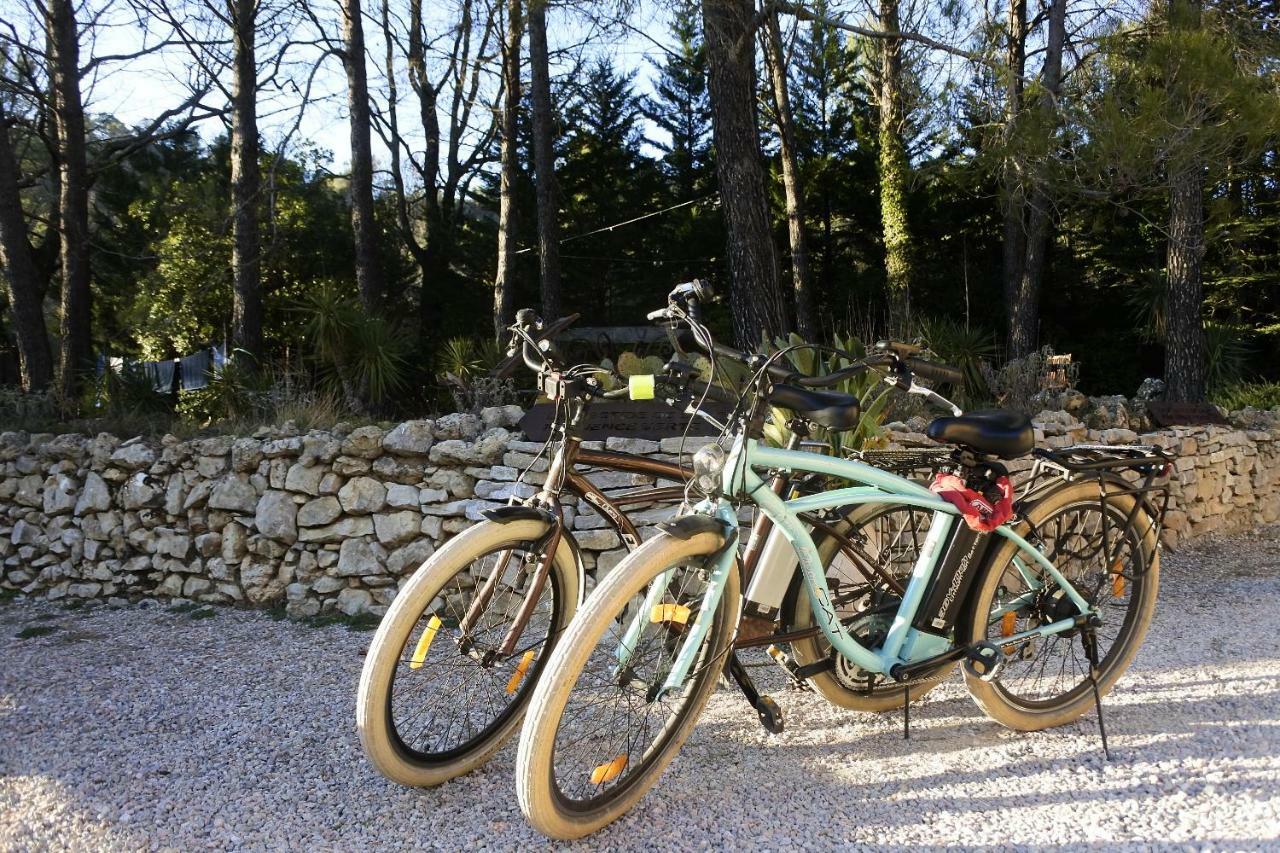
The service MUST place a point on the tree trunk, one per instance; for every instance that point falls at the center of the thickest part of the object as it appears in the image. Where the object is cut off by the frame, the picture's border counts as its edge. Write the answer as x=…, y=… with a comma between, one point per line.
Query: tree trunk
x=801, y=287
x=755, y=295
x=1184, y=349
x=246, y=185
x=1014, y=245
x=1024, y=318
x=73, y=197
x=26, y=294
x=504, y=283
x=544, y=161
x=894, y=175
x=363, y=227
x=1185, y=358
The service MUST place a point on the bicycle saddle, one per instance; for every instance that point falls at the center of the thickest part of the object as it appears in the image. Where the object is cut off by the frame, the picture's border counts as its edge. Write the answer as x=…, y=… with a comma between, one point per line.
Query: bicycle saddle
x=825, y=408
x=1007, y=435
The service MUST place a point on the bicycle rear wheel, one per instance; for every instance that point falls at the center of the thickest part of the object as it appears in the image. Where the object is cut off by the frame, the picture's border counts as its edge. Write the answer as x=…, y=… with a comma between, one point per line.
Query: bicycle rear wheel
x=434, y=701
x=599, y=734
x=1112, y=562
x=886, y=540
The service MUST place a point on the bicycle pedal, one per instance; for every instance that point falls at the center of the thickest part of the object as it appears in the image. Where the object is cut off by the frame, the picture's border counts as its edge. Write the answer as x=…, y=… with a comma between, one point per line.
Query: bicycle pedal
x=790, y=667
x=770, y=715
x=983, y=661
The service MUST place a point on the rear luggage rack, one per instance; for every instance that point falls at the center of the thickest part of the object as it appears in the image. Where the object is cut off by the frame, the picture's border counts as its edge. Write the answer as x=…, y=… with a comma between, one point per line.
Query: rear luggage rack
x=1147, y=469
x=917, y=460
x=1080, y=458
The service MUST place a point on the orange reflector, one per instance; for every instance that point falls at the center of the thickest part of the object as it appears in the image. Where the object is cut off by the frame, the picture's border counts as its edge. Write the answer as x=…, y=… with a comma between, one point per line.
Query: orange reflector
x=609, y=770
x=1009, y=624
x=677, y=613
x=521, y=668
x=1117, y=580
x=420, y=653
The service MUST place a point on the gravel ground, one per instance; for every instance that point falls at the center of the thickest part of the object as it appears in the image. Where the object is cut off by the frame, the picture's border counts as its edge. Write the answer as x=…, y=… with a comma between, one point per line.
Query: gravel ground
x=144, y=728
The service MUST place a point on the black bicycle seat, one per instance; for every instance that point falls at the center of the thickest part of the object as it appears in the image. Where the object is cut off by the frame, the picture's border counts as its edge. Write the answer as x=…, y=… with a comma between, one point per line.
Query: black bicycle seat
x=825, y=408
x=1007, y=435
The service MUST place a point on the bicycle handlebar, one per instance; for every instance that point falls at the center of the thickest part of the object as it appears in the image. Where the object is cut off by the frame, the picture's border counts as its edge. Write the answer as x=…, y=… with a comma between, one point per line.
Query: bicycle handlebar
x=934, y=372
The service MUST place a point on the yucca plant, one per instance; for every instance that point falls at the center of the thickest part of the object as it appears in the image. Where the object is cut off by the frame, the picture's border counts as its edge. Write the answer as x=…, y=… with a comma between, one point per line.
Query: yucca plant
x=365, y=358
x=965, y=348
x=1226, y=353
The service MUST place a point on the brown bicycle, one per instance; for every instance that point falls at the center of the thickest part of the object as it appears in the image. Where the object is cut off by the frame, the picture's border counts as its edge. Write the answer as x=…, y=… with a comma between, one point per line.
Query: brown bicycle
x=453, y=663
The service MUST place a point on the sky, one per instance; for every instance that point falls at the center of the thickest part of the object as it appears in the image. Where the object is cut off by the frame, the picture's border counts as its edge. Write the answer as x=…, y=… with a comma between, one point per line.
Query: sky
x=136, y=90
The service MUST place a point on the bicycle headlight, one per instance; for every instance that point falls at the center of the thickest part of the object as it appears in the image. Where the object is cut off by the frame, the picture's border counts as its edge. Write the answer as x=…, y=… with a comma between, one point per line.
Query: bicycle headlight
x=708, y=464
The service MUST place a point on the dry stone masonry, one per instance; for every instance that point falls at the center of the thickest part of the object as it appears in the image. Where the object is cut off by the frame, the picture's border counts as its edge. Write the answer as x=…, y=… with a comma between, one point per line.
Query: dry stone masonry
x=335, y=520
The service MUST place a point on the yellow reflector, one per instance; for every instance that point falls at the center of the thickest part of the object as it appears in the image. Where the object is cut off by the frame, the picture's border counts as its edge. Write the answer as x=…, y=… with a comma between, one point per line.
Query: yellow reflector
x=640, y=387
x=1008, y=624
x=521, y=669
x=609, y=770
x=677, y=613
x=420, y=653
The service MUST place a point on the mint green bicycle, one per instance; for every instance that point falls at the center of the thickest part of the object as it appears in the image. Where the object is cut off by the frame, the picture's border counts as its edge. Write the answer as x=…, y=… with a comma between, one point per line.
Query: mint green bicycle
x=1045, y=605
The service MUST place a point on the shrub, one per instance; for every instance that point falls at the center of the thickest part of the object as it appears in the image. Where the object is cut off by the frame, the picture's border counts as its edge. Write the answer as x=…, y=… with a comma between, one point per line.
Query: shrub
x=1258, y=395
x=363, y=358
x=465, y=366
x=967, y=348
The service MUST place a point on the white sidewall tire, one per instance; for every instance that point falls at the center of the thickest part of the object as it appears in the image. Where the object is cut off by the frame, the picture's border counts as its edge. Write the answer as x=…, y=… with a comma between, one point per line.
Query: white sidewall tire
x=454, y=556
x=534, y=760
x=989, y=696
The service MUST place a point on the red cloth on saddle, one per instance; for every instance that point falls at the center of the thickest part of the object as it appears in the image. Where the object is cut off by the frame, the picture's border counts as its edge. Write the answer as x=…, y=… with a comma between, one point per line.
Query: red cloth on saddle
x=978, y=510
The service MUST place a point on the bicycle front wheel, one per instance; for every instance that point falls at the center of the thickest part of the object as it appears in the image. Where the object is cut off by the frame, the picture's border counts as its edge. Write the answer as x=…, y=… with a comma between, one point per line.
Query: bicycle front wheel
x=600, y=732
x=436, y=701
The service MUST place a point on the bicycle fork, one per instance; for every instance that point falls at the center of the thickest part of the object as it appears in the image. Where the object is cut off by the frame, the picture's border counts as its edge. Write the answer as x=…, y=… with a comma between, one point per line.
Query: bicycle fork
x=718, y=566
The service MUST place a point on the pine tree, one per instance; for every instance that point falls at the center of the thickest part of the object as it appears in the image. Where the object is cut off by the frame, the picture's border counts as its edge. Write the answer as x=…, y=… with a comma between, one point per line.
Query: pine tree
x=679, y=106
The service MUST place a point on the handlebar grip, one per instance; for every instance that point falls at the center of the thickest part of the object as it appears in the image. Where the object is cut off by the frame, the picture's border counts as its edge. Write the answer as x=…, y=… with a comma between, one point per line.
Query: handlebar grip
x=935, y=372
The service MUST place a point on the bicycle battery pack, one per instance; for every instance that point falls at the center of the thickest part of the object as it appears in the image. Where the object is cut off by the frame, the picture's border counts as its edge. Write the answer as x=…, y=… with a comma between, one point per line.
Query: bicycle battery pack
x=963, y=559
x=774, y=570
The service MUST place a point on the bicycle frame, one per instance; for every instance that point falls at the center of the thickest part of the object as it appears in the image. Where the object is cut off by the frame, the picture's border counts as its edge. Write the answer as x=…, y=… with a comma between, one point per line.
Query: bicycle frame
x=903, y=643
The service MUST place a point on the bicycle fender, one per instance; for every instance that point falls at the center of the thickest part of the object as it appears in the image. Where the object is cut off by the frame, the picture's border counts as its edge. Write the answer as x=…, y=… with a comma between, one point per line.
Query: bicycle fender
x=508, y=514
x=689, y=526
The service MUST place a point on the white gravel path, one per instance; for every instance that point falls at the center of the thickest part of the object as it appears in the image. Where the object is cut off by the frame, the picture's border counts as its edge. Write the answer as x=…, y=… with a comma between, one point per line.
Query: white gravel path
x=141, y=728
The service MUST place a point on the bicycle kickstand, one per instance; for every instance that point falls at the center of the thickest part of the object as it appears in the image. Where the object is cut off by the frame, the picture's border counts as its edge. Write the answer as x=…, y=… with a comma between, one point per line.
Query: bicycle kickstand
x=1090, y=639
x=767, y=709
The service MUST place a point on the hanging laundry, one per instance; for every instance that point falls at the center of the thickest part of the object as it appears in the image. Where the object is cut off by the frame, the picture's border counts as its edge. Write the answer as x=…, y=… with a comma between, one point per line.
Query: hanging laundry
x=196, y=369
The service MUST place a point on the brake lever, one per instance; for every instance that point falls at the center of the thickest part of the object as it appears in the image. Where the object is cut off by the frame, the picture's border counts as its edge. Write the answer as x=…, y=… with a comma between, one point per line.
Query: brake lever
x=910, y=386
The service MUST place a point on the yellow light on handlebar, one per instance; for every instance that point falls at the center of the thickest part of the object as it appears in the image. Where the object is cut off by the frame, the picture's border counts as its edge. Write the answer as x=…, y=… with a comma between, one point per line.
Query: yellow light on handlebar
x=640, y=387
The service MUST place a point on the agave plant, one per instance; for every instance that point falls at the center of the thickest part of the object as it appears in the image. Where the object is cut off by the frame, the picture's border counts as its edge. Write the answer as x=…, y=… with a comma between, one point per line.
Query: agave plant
x=963, y=347
x=867, y=387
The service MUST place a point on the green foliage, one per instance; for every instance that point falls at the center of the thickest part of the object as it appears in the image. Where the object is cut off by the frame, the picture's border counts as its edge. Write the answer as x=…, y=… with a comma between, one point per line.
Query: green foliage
x=1257, y=395
x=867, y=387
x=126, y=402
x=28, y=411
x=356, y=355
x=965, y=348
x=1226, y=355
x=234, y=394
x=32, y=631
x=464, y=366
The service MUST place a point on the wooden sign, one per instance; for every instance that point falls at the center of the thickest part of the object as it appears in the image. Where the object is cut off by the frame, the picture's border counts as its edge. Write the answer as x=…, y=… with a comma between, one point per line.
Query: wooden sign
x=1167, y=413
x=626, y=419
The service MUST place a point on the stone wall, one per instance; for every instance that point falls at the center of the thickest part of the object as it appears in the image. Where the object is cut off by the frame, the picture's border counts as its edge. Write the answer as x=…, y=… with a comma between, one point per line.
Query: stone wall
x=335, y=519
